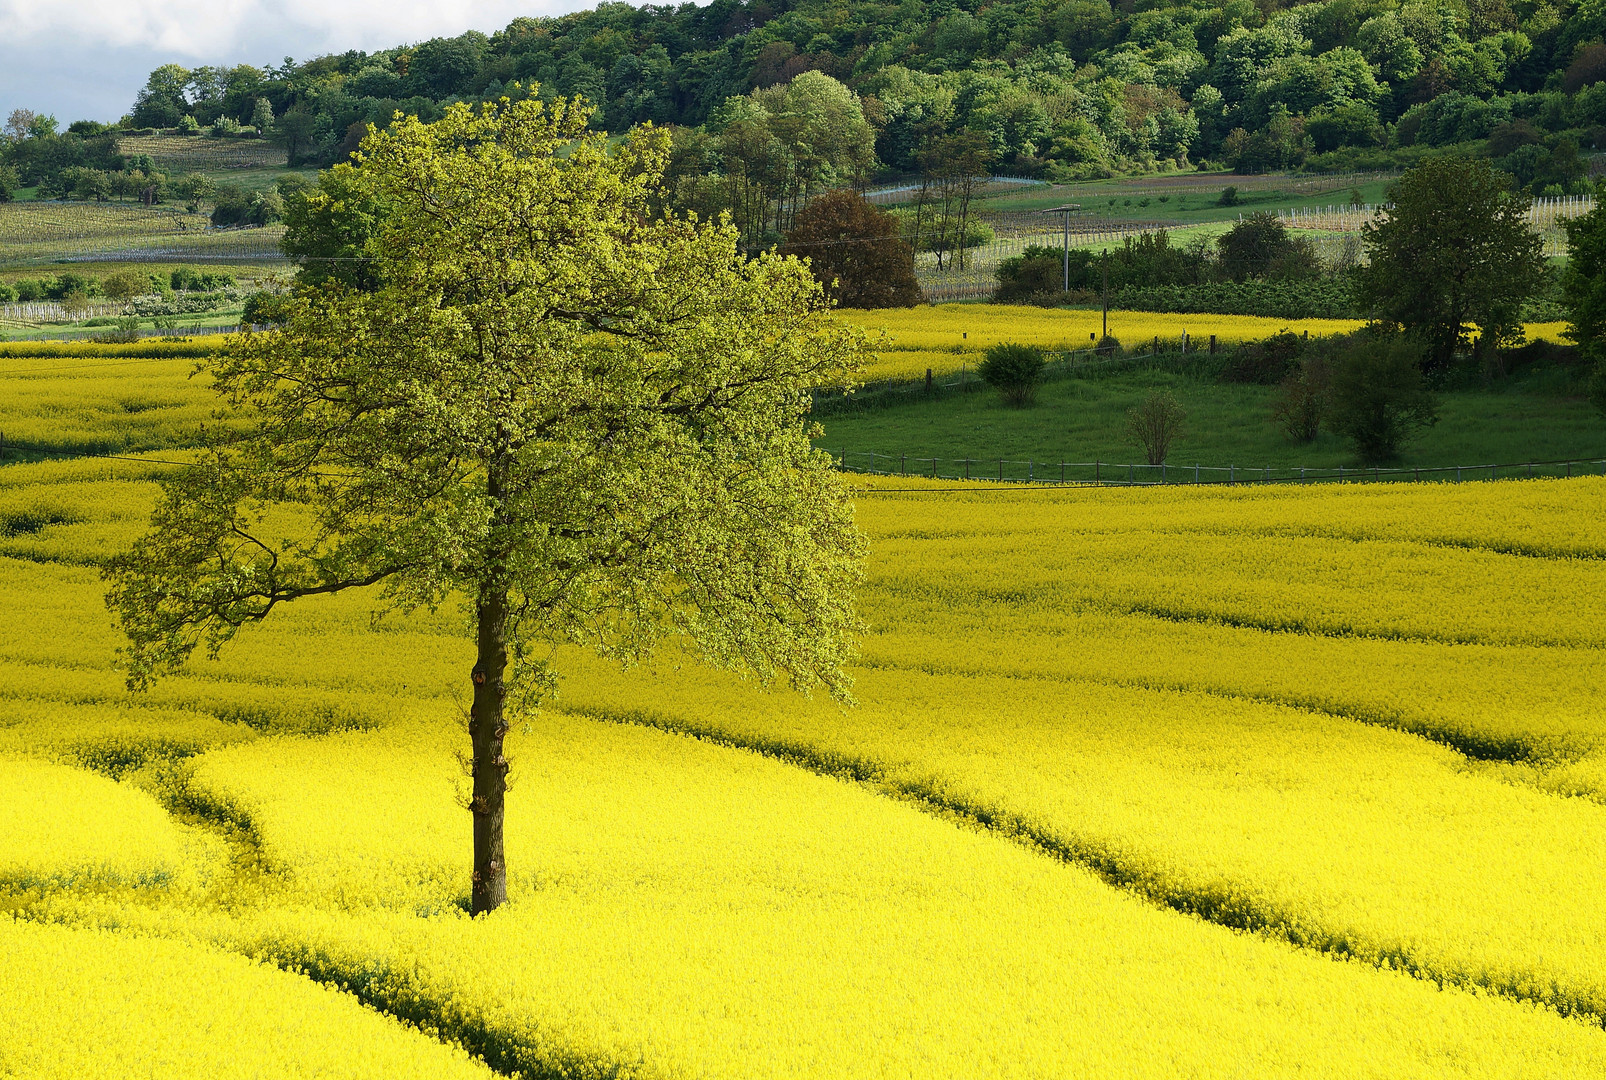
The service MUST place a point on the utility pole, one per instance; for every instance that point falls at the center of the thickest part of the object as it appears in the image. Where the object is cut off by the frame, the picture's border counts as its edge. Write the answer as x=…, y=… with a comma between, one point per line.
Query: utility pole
x=1065, y=213
x=1104, y=262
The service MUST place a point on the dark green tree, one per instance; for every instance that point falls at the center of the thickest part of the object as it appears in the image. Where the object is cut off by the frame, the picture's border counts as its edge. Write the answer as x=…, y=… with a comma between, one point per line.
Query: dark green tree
x=1453, y=254
x=1259, y=246
x=161, y=102
x=293, y=131
x=1379, y=398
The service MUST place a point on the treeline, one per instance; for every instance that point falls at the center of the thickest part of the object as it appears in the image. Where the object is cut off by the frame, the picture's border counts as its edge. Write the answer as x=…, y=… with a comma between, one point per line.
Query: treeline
x=72, y=286
x=1061, y=89
x=1258, y=267
x=1257, y=251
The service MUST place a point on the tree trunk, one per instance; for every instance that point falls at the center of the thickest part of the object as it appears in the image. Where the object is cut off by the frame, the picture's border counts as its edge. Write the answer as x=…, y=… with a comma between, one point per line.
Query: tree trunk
x=487, y=728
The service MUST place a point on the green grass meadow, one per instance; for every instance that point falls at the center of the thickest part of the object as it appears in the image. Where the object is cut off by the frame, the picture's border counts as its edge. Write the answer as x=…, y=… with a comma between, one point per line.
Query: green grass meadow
x=1527, y=418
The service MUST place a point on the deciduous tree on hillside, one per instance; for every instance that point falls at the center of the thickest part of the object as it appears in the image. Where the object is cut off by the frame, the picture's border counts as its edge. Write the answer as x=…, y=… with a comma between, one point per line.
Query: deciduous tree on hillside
x=586, y=423
x=1455, y=251
x=855, y=252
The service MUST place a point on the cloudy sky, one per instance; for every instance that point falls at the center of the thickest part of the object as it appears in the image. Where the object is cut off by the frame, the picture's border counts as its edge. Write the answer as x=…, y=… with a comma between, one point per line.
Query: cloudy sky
x=86, y=59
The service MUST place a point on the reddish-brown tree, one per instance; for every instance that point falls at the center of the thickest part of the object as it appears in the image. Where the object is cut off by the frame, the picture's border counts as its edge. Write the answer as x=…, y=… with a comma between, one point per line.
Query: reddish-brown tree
x=855, y=252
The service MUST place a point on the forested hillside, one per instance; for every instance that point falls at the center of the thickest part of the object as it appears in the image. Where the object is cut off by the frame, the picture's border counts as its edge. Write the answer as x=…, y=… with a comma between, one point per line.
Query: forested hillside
x=1060, y=89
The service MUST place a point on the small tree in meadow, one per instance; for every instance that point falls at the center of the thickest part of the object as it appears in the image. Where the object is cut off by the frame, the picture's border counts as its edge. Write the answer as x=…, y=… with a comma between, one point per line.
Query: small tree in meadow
x=1016, y=371
x=1379, y=397
x=1303, y=399
x=1156, y=424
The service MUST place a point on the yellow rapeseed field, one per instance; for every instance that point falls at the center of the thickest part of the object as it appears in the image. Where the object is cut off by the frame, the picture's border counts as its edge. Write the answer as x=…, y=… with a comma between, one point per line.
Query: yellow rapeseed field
x=1220, y=782
x=90, y=1004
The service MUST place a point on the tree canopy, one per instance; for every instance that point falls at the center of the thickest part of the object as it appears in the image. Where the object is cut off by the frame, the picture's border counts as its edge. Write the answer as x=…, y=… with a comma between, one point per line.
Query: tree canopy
x=581, y=421
x=855, y=251
x=1454, y=253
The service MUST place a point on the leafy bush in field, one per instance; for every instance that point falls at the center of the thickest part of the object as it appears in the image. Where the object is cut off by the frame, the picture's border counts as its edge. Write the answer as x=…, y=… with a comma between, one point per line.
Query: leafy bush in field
x=189, y=279
x=1379, y=398
x=127, y=284
x=180, y=304
x=1155, y=424
x=1015, y=371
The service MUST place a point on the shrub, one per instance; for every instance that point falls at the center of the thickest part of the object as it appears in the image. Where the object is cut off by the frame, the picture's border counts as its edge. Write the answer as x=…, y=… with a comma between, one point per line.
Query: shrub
x=1379, y=399
x=127, y=332
x=126, y=284
x=234, y=206
x=189, y=279
x=263, y=307
x=1265, y=362
x=1016, y=371
x=7, y=293
x=1229, y=196
x=1156, y=424
x=1302, y=400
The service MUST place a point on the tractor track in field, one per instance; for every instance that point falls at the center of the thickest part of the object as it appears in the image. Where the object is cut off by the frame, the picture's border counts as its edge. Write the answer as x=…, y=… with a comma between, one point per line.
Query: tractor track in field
x=1219, y=901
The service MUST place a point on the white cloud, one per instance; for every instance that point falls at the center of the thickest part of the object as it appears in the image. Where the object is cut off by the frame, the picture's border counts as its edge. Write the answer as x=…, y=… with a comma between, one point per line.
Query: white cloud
x=86, y=59
x=198, y=30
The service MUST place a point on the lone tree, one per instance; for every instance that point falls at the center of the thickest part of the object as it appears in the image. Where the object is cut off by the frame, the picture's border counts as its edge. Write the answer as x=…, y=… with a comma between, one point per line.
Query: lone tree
x=585, y=422
x=1155, y=424
x=856, y=252
x=1455, y=251
x=1259, y=247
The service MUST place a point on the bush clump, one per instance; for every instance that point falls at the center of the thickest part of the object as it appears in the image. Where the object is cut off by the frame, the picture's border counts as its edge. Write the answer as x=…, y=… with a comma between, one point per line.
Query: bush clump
x=1379, y=398
x=1015, y=371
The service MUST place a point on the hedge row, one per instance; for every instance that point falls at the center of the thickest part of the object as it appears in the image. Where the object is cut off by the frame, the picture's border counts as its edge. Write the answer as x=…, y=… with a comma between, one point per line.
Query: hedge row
x=1318, y=298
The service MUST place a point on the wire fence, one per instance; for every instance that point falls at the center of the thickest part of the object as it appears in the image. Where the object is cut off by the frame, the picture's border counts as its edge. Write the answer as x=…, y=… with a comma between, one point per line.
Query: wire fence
x=1056, y=364
x=54, y=311
x=1131, y=474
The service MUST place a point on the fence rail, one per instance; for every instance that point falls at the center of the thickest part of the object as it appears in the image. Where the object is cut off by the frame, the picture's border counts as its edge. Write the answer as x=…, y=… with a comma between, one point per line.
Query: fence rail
x=1112, y=474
